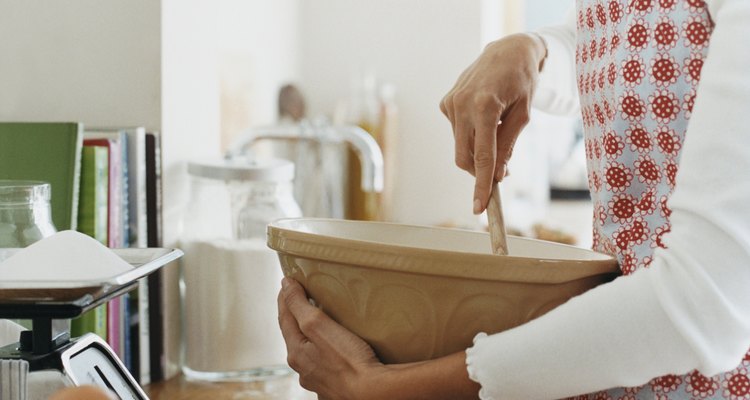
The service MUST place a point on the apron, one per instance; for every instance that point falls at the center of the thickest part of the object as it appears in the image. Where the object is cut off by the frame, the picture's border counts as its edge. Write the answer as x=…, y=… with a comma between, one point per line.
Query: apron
x=638, y=66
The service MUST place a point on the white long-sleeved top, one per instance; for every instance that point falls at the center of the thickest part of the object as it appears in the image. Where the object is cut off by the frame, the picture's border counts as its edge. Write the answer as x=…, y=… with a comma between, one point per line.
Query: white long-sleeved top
x=691, y=308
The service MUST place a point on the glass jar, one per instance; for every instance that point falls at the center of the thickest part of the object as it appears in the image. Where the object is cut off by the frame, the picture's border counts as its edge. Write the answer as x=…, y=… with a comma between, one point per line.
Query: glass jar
x=25, y=218
x=230, y=277
x=25, y=215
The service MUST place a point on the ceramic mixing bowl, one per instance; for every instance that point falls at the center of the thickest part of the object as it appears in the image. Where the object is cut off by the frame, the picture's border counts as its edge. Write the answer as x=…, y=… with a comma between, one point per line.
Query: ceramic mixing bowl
x=416, y=293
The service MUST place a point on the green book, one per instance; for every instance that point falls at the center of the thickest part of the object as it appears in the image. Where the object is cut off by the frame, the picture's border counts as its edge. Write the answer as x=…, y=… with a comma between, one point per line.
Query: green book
x=94, y=195
x=93, y=206
x=49, y=152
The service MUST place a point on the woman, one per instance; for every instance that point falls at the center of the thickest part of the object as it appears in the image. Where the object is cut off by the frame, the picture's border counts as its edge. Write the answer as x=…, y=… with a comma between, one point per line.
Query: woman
x=663, y=86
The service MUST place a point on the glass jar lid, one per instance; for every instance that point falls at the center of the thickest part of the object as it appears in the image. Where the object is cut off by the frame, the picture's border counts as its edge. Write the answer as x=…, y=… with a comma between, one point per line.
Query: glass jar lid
x=244, y=169
x=23, y=192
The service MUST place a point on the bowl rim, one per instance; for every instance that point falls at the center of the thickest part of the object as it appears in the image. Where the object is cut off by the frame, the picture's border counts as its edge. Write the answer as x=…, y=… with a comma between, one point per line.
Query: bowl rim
x=407, y=259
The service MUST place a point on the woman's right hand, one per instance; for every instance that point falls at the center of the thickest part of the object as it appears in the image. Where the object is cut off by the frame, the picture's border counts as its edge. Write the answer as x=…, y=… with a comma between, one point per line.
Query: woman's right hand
x=489, y=106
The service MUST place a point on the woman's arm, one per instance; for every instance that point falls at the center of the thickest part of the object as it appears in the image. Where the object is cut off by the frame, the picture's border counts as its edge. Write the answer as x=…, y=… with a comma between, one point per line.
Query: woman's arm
x=691, y=308
x=557, y=92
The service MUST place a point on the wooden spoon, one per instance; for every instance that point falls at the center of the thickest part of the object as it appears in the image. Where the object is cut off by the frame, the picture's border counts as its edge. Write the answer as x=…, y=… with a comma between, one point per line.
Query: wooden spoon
x=497, y=223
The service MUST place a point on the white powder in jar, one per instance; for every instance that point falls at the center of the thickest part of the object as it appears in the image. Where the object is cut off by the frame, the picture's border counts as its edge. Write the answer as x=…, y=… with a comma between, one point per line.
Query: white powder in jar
x=230, y=306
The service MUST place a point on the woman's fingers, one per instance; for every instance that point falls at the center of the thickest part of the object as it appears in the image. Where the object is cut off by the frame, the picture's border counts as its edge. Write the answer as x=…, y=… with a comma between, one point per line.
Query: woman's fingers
x=464, y=135
x=507, y=133
x=485, y=156
x=291, y=331
x=496, y=86
x=326, y=355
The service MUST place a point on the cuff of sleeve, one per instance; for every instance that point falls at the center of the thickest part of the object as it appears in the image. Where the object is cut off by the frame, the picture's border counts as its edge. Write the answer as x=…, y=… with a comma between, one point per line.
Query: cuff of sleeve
x=557, y=92
x=472, y=353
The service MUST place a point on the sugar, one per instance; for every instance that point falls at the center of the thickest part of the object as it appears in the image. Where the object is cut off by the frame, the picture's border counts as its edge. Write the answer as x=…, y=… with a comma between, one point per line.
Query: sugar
x=230, y=306
x=63, y=257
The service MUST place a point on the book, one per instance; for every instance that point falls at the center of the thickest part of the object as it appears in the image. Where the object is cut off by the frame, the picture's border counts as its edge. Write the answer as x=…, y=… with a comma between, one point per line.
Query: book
x=125, y=343
x=155, y=338
x=92, y=221
x=94, y=195
x=49, y=152
x=116, y=202
x=117, y=142
x=137, y=222
x=138, y=236
x=135, y=314
x=113, y=194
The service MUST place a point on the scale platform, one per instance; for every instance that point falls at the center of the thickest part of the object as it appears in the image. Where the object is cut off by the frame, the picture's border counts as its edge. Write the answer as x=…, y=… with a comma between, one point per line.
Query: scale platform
x=84, y=360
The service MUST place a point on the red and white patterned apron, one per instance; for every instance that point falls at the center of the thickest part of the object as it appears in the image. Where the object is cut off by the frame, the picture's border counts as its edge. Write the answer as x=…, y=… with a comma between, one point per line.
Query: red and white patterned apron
x=638, y=66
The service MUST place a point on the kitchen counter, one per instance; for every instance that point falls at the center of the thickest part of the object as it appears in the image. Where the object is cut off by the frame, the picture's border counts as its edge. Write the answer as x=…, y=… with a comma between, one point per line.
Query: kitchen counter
x=179, y=388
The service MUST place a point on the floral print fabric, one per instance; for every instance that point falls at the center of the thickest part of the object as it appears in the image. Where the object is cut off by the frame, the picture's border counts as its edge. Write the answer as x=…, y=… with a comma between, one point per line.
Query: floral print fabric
x=638, y=68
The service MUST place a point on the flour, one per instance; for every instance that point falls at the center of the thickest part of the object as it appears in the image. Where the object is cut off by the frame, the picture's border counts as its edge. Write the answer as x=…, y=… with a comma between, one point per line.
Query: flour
x=63, y=257
x=230, y=306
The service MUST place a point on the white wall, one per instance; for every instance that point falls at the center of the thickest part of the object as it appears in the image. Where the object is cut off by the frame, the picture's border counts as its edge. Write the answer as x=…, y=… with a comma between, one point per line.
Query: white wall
x=189, y=78
x=116, y=63
x=59, y=60
x=421, y=48
x=257, y=49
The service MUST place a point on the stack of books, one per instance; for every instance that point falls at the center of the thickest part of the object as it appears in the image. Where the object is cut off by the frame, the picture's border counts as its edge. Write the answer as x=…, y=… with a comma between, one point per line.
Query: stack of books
x=105, y=183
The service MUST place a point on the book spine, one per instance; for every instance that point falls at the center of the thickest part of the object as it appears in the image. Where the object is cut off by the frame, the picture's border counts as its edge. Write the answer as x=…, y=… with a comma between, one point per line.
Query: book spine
x=76, y=177
x=138, y=235
x=143, y=333
x=154, y=239
x=125, y=343
x=114, y=325
x=92, y=221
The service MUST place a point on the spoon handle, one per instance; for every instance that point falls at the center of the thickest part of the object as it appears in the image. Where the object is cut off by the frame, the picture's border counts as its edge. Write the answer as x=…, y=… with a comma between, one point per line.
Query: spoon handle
x=496, y=223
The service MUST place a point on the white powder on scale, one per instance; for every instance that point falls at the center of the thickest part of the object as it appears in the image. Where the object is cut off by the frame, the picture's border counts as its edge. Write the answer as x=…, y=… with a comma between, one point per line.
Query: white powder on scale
x=230, y=306
x=63, y=257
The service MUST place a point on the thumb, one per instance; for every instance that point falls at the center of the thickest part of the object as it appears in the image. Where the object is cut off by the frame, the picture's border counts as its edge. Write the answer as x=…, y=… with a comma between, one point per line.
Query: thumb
x=295, y=298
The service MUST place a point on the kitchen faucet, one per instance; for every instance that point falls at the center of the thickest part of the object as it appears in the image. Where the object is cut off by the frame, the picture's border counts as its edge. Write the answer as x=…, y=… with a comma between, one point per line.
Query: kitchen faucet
x=320, y=152
x=366, y=148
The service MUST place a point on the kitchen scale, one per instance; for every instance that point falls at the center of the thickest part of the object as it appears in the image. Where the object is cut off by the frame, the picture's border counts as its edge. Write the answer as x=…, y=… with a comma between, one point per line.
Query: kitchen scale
x=87, y=359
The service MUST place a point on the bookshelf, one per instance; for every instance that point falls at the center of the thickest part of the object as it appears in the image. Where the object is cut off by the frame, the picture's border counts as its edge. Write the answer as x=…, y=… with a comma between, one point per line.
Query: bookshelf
x=105, y=183
x=121, y=63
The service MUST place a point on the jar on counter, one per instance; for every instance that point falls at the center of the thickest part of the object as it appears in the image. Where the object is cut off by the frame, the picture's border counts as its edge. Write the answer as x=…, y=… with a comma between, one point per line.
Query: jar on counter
x=230, y=277
x=25, y=215
x=25, y=218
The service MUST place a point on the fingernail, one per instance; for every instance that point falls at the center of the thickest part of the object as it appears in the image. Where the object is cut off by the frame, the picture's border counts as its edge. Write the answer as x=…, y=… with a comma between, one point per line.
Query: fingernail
x=284, y=283
x=477, y=207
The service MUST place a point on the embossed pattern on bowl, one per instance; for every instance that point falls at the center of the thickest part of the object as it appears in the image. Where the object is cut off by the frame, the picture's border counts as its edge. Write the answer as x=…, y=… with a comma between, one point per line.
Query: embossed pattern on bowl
x=416, y=293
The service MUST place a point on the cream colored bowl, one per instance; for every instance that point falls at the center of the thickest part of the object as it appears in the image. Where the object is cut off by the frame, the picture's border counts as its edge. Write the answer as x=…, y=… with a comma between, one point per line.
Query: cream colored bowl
x=416, y=293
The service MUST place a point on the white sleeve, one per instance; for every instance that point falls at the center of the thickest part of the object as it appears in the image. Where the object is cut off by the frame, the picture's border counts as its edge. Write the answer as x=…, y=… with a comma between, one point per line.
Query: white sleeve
x=556, y=91
x=691, y=308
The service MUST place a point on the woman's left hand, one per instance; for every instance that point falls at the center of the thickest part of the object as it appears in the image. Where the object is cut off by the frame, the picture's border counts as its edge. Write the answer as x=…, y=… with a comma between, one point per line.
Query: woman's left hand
x=331, y=361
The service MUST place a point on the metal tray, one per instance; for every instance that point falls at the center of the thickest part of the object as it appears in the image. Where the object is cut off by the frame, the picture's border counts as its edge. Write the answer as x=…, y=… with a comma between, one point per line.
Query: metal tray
x=56, y=299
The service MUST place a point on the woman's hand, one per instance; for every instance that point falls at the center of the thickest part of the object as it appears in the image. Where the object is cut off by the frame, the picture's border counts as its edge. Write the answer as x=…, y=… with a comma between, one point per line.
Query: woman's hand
x=331, y=361
x=336, y=364
x=489, y=106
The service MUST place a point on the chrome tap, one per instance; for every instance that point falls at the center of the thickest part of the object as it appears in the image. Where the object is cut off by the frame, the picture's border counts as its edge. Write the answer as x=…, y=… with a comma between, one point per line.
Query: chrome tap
x=366, y=148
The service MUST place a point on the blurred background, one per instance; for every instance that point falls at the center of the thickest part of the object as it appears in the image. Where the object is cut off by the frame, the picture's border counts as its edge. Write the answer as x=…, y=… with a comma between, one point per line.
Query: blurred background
x=205, y=72
x=347, y=89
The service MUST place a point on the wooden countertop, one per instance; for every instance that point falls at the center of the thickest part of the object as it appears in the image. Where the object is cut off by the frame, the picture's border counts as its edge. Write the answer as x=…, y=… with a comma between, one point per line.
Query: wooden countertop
x=179, y=388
